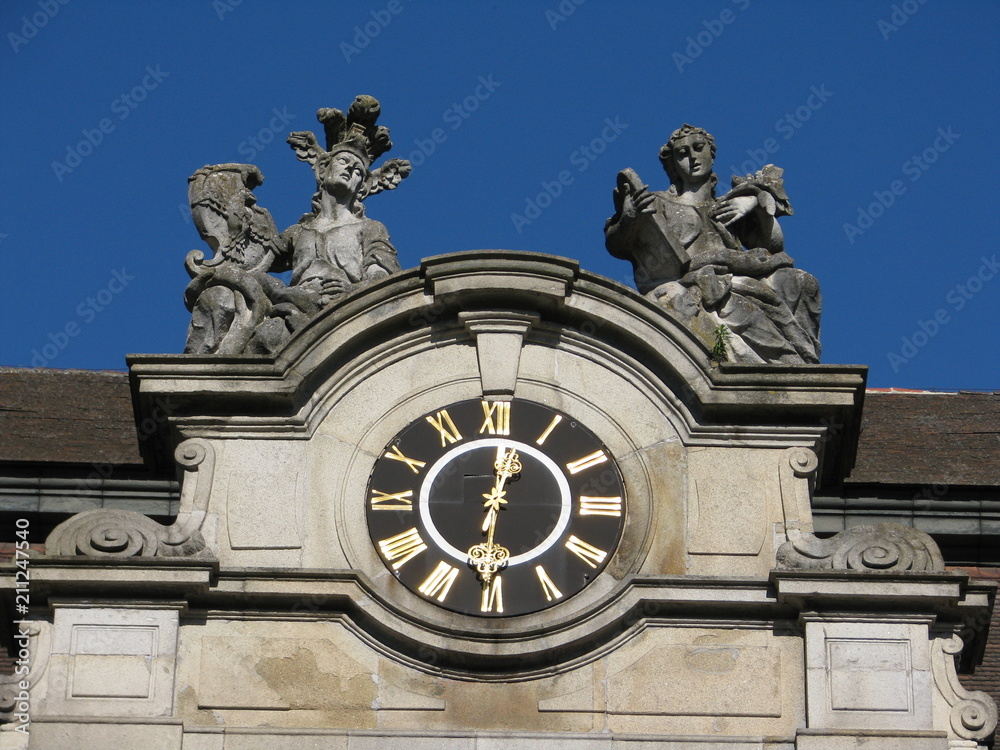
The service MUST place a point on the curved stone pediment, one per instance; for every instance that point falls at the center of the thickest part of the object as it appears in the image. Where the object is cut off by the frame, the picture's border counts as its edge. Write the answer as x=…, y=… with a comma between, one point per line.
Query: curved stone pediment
x=439, y=304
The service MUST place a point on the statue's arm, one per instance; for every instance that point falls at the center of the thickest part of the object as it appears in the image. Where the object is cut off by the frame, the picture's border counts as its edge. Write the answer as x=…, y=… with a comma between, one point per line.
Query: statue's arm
x=285, y=249
x=379, y=257
x=632, y=199
x=752, y=207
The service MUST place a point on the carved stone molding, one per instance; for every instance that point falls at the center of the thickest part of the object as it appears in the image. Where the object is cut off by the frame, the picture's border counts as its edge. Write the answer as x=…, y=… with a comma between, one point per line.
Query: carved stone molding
x=973, y=713
x=499, y=337
x=105, y=532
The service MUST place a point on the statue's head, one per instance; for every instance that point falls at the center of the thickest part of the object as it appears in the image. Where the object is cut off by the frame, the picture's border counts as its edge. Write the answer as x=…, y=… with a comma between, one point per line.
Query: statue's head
x=353, y=143
x=684, y=134
x=344, y=170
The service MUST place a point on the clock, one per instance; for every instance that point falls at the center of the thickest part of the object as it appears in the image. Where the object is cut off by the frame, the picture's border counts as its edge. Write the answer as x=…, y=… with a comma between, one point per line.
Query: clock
x=495, y=508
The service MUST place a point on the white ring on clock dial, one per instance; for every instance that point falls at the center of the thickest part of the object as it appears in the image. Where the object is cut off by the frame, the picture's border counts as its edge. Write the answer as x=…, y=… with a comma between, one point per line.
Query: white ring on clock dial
x=463, y=555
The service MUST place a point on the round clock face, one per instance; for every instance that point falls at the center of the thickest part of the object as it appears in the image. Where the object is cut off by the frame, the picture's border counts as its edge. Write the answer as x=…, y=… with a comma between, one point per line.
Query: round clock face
x=495, y=508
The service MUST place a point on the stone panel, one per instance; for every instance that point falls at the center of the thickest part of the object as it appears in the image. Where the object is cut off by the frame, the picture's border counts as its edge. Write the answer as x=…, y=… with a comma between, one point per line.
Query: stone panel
x=868, y=675
x=112, y=662
x=263, y=509
x=285, y=741
x=203, y=741
x=730, y=490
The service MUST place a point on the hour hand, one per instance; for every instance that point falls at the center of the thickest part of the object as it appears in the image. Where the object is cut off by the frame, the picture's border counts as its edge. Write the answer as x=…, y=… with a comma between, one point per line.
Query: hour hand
x=506, y=465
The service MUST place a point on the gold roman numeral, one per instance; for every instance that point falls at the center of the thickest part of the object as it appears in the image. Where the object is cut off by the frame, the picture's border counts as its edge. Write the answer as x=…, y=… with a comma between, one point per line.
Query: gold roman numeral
x=493, y=595
x=549, y=588
x=497, y=418
x=392, y=500
x=439, y=582
x=402, y=548
x=586, y=552
x=600, y=506
x=444, y=425
x=548, y=430
x=397, y=455
x=597, y=457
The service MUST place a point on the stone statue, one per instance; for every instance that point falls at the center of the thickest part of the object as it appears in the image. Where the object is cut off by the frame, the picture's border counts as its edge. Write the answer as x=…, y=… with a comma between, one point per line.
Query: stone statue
x=237, y=306
x=715, y=262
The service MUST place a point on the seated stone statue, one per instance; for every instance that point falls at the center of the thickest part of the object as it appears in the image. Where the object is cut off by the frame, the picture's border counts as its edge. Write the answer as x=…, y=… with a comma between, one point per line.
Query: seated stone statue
x=237, y=306
x=717, y=261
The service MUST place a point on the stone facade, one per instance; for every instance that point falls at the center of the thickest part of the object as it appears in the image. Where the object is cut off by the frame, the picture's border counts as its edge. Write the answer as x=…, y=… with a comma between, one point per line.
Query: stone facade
x=263, y=616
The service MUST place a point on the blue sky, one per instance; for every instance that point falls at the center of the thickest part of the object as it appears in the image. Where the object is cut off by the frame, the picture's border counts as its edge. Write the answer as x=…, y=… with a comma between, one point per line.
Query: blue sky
x=882, y=114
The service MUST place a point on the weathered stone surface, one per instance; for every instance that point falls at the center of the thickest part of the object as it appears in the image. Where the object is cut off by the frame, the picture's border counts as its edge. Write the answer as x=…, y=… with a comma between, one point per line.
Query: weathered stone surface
x=300, y=636
x=718, y=264
x=85, y=735
x=702, y=673
x=729, y=511
x=237, y=306
x=871, y=739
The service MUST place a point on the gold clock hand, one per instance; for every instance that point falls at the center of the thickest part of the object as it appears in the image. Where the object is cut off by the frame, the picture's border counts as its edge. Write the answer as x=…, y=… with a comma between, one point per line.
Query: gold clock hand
x=488, y=558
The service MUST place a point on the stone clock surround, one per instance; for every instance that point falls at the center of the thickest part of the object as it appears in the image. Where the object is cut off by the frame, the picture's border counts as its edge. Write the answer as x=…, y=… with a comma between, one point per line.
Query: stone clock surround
x=277, y=620
x=496, y=323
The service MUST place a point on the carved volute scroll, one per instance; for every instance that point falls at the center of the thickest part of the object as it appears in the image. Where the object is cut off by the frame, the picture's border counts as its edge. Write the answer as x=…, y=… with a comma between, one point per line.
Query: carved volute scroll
x=883, y=547
x=973, y=713
x=32, y=650
x=106, y=532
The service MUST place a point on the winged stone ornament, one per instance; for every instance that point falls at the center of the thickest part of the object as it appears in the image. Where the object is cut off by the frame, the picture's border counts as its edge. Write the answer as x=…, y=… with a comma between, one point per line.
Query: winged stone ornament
x=237, y=306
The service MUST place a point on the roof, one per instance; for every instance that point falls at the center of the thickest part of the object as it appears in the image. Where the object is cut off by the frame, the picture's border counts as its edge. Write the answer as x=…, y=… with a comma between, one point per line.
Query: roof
x=67, y=416
x=928, y=438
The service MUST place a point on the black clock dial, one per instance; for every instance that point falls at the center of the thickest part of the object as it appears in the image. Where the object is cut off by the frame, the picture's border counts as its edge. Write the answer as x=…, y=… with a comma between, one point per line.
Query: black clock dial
x=495, y=508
